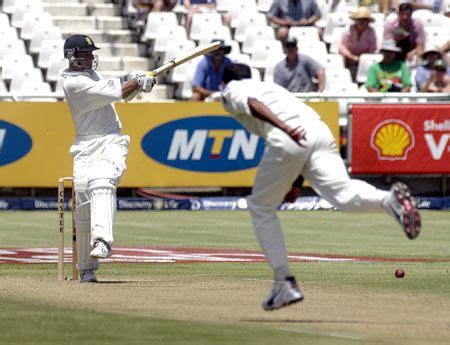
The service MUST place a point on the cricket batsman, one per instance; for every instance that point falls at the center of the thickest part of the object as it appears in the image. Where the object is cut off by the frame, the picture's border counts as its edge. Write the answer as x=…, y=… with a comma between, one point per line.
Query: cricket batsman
x=299, y=143
x=100, y=149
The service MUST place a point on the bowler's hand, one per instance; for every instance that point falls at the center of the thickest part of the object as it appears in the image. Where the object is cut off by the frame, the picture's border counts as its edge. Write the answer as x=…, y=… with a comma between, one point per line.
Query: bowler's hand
x=297, y=134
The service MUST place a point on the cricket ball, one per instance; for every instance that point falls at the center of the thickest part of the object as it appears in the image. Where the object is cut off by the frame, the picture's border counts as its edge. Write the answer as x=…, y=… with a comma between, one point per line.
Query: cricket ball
x=399, y=273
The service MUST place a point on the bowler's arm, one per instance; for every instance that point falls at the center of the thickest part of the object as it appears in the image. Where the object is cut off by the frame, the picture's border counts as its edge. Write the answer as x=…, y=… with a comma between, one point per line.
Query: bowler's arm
x=262, y=112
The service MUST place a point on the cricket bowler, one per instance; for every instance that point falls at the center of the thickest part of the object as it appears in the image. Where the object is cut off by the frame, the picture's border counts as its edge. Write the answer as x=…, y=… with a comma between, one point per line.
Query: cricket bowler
x=299, y=143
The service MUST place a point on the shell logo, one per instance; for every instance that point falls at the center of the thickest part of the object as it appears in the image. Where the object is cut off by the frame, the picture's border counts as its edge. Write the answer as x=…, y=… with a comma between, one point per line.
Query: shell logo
x=392, y=139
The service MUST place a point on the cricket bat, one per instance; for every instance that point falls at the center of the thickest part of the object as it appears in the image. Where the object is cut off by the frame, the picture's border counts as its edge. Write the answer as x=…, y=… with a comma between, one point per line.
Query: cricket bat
x=189, y=55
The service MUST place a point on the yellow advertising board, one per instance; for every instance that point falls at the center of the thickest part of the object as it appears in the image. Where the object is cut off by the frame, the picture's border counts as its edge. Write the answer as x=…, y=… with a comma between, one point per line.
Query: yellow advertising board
x=181, y=144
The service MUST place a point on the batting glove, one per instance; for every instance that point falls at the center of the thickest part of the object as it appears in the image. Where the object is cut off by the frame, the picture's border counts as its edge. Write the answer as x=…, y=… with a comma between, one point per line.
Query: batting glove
x=144, y=81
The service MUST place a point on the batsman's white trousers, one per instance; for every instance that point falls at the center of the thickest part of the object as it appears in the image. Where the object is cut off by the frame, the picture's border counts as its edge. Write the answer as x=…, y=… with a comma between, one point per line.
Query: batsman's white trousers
x=96, y=158
x=320, y=163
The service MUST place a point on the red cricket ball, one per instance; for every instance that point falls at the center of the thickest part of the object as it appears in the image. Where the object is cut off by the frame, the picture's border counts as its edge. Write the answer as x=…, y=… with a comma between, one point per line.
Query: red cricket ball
x=399, y=273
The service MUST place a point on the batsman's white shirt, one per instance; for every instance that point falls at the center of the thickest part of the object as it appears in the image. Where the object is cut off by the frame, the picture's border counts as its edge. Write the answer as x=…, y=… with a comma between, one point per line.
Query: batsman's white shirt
x=284, y=160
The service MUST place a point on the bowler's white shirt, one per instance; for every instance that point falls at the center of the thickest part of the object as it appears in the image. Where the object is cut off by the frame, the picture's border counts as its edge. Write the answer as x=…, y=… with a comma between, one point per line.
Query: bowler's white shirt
x=281, y=102
x=89, y=97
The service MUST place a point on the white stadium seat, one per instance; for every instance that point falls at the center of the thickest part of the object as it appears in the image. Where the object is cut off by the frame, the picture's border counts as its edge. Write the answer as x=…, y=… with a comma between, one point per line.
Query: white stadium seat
x=35, y=88
x=255, y=32
x=365, y=61
x=21, y=76
x=246, y=19
x=262, y=49
x=55, y=66
x=222, y=5
x=8, y=32
x=13, y=62
x=332, y=60
x=264, y=5
x=166, y=33
x=437, y=35
x=334, y=75
x=304, y=33
x=21, y=7
x=155, y=20
x=49, y=47
x=312, y=48
x=32, y=19
x=203, y=21
x=4, y=20
x=336, y=40
x=173, y=49
x=43, y=32
x=243, y=6
x=335, y=20
x=271, y=62
x=220, y=32
x=11, y=46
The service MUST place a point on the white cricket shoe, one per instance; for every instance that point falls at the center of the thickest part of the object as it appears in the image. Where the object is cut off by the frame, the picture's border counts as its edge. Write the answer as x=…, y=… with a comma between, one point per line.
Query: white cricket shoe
x=101, y=250
x=401, y=205
x=88, y=276
x=284, y=293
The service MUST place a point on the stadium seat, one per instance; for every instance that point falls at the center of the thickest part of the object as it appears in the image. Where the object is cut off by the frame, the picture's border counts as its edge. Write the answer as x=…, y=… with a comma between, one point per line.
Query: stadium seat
x=13, y=62
x=166, y=33
x=304, y=33
x=11, y=46
x=336, y=40
x=209, y=33
x=437, y=35
x=345, y=88
x=242, y=6
x=173, y=49
x=21, y=7
x=332, y=61
x=32, y=19
x=365, y=61
x=244, y=20
x=337, y=75
x=202, y=22
x=263, y=48
x=264, y=5
x=3, y=88
x=256, y=74
x=56, y=65
x=4, y=20
x=429, y=18
x=334, y=20
x=49, y=47
x=155, y=20
x=255, y=32
x=379, y=19
x=40, y=33
x=186, y=88
x=21, y=76
x=8, y=32
x=35, y=88
x=313, y=48
x=271, y=62
x=240, y=58
x=222, y=5
x=9, y=6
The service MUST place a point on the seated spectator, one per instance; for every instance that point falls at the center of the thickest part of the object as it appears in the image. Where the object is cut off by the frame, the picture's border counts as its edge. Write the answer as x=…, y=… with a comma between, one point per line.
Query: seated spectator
x=143, y=7
x=197, y=6
x=439, y=79
x=209, y=71
x=429, y=57
x=287, y=13
x=297, y=71
x=391, y=74
x=407, y=32
x=445, y=49
x=359, y=38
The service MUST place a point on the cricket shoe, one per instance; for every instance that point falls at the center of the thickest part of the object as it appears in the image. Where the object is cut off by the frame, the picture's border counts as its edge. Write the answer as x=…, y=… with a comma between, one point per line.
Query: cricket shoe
x=101, y=250
x=88, y=276
x=401, y=205
x=284, y=293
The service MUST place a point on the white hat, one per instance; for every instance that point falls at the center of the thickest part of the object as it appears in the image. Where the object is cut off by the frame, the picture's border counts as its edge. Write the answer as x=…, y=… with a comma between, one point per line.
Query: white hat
x=389, y=45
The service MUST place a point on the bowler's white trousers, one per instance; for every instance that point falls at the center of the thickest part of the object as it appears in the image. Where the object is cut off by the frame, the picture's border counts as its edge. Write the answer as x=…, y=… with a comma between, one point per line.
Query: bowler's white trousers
x=99, y=163
x=320, y=163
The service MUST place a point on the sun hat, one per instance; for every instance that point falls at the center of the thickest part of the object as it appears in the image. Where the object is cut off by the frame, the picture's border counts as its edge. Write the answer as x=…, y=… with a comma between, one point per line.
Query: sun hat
x=390, y=46
x=362, y=13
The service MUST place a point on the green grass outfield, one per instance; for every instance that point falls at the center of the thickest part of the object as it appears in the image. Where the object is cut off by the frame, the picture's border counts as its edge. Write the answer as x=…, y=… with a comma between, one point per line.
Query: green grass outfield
x=219, y=303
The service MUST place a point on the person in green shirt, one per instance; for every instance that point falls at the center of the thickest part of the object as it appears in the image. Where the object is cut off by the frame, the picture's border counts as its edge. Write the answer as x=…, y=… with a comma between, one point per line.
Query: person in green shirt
x=391, y=74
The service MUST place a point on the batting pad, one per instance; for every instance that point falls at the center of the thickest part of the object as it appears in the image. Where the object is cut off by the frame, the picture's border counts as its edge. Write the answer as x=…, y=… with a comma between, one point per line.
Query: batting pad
x=83, y=226
x=103, y=210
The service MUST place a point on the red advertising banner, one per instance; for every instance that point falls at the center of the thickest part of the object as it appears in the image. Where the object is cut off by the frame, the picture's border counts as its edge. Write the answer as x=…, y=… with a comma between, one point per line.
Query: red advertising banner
x=399, y=139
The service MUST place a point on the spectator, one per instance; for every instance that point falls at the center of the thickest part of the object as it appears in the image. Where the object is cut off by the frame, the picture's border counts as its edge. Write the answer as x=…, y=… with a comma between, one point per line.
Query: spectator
x=439, y=79
x=208, y=74
x=143, y=7
x=296, y=72
x=407, y=32
x=391, y=74
x=197, y=6
x=359, y=38
x=287, y=13
x=430, y=56
x=445, y=49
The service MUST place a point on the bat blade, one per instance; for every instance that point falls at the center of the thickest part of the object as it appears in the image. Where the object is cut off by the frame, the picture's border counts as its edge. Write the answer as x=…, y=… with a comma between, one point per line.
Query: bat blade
x=189, y=55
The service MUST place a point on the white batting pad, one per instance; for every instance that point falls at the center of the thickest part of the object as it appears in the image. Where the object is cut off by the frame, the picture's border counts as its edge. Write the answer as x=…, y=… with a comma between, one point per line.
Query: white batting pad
x=103, y=210
x=83, y=226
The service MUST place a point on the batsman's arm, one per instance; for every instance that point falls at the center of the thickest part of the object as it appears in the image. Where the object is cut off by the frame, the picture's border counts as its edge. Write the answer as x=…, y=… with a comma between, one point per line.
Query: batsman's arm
x=262, y=112
x=129, y=87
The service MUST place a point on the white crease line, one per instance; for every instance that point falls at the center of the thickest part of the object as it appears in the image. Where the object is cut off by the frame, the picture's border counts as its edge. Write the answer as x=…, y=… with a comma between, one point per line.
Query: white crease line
x=325, y=334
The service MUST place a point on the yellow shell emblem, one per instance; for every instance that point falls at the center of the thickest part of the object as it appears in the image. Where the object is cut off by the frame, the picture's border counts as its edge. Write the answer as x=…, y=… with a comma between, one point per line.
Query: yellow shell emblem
x=392, y=139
